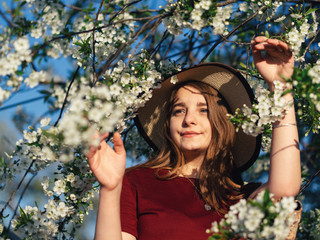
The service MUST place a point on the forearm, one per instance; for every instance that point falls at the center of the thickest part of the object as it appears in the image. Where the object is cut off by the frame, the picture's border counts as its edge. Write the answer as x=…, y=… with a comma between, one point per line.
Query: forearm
x=285, y=170
x=108, y=225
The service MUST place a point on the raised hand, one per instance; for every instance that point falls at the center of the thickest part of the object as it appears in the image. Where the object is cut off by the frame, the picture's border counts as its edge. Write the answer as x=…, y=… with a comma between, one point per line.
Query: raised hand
x=277, y=62
x=108, y=165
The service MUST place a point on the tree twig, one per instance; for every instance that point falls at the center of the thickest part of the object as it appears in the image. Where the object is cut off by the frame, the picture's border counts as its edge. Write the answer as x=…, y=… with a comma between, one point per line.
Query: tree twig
x=147, y=35
x=164, y=37
x=125, y=133
x=17, y=188
x=66, y=97
x=309, y=181
x=309, y=45
x=20, y=103
x=72, y=7
x=106, y=65
x=225, y=3
x=94, y=76
x=190, y=49
x=126, y=6
x=250, y=74
x=232, y=32
x=70, y=34
x=303, y=1
x=169, y=47
x=144, y=10
x=20, y=198
x=11, y=24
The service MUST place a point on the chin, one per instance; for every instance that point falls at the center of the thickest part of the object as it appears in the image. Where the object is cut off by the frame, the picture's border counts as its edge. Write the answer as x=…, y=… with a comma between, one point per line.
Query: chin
x=192, y=149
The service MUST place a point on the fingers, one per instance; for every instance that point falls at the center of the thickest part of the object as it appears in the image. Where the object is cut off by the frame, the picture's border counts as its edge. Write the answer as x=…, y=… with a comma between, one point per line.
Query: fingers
x=260, y=39
x=99, y=136
x=118, y=144
x=278, y=44
x=273, y=46
x=103, y=146
x=104, y=136
x=95, y=145
x=91, y=153
x=256, y=53
x=97, y=139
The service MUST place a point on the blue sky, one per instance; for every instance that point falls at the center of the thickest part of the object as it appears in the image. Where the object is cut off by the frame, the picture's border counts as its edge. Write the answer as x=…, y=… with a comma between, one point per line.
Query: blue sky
x=60, y=67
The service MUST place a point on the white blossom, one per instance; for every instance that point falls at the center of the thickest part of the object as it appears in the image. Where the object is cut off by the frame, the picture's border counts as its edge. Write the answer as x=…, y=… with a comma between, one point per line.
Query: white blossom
x=249, y=221
x=21, y=44
x=51, y=227
x=4, y=94
x=37, y=77
x=269, y=108
x=45, y=122
x=280, y=19
x=31, y=137
x=314, y=73
x=219, y=21
x=243, y=7
x=62, y=210
x=174, y=79
x=59, y=187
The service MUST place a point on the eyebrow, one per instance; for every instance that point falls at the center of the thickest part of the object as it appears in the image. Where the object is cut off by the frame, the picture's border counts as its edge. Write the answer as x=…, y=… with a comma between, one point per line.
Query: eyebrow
x=182, y=104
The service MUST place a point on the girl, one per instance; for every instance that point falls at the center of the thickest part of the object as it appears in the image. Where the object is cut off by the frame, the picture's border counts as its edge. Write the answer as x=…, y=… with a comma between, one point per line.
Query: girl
x=195, y=177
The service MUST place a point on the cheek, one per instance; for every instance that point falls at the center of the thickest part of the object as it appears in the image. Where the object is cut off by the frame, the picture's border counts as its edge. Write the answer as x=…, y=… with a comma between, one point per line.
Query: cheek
x=209, y=127
x=172, y=128
x=209, y=137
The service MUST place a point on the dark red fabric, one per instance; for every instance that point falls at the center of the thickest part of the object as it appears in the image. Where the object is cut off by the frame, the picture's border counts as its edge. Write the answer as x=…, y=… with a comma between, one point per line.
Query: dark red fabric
x=153, y=209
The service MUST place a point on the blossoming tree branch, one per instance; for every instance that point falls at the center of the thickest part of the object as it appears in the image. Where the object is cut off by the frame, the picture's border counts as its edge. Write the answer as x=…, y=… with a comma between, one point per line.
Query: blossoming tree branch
x=119, y=51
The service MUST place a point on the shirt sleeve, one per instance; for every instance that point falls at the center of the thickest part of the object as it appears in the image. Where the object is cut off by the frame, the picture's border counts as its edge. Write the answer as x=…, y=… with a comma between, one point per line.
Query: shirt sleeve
x=128, y=208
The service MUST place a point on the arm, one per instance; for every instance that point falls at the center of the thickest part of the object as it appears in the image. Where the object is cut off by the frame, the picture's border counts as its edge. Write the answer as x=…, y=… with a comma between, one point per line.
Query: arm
x=108, y=166
x=108, y=225
x=285, y=171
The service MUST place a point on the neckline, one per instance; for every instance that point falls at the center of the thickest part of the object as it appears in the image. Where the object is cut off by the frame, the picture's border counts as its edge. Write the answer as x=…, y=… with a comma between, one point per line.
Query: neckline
x=186, y=177
x=176, y=175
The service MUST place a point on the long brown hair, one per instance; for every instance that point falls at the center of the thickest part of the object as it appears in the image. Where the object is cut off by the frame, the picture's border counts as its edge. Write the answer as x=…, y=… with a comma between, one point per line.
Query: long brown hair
x=216, y=180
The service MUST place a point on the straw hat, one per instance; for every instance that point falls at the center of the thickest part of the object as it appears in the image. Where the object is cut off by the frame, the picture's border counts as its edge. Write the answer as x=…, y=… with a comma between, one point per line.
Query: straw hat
x=228, y=82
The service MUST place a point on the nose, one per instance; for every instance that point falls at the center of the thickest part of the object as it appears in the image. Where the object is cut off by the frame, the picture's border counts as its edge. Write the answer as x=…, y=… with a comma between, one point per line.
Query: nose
x=189, y=118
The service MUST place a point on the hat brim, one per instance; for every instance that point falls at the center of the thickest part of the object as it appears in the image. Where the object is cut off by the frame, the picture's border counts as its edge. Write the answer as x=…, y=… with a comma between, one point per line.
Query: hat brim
x=228, y=82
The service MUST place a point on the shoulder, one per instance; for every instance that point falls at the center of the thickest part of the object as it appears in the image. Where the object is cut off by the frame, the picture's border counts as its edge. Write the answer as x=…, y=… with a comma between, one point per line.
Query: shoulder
x=145, y=171
x=140, y=174
x=144, y=176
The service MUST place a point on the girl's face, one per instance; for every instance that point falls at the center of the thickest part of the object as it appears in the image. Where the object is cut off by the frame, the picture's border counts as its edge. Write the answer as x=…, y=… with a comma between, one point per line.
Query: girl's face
x=189, y=124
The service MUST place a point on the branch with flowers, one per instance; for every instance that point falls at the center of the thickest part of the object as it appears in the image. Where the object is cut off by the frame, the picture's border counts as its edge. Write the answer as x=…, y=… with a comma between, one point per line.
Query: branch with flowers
x=118, y=52
x=260, y=218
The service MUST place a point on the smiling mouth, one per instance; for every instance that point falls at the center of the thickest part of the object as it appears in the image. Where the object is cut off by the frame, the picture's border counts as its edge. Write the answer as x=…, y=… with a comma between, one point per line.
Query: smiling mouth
x=189, y=134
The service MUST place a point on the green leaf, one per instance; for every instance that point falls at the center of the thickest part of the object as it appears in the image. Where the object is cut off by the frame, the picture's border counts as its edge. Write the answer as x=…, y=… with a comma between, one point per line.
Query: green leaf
x=243, y=65
x=24, y=216
x=266, y=196
x=45, y=92
x=311, y=10
x=19, y=72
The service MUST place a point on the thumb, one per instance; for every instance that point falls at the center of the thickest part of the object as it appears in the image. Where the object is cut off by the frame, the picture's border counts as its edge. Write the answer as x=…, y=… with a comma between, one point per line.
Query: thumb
x=92, y=151
x=256, y=53
x=118, y=144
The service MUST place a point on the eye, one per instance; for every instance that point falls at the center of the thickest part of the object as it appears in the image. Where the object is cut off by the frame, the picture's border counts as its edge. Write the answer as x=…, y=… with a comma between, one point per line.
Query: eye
x=178, y=111
x=204, y=110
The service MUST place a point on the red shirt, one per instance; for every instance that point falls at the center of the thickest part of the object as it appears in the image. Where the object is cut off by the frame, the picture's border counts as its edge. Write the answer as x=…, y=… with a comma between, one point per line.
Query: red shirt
x=154, y=209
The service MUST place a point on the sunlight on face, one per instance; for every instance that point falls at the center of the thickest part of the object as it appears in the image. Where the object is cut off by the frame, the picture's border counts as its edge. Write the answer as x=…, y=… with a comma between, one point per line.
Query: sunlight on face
x=190, y=127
